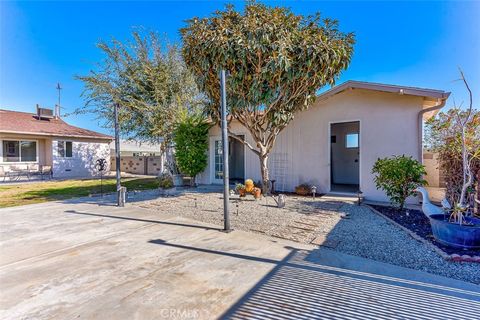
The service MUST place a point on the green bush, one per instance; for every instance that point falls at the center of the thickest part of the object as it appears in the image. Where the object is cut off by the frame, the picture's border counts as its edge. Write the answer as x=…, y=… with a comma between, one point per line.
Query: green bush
x=398, y=177
x=191, y=145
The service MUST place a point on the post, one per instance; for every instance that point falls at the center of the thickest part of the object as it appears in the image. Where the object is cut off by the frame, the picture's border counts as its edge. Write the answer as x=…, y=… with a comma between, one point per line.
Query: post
x=120, y=203
x=226, y=184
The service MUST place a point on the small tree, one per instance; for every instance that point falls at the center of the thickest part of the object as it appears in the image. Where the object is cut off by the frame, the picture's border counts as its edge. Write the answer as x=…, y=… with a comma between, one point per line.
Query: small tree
x=148, y=78
x=455, y=135
x=399, y=176
x=191, y=145
x=276, y=62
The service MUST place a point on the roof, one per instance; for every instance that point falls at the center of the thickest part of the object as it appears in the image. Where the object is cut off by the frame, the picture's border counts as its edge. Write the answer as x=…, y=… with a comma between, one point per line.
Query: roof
x=403, y=90
x=28, y=123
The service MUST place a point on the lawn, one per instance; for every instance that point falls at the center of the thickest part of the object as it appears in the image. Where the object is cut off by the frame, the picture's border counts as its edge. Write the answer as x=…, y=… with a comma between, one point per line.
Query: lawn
x=29, y=193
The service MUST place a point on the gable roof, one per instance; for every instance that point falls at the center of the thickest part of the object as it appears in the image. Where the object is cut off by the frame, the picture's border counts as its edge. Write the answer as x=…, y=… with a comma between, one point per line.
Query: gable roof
x=402, y=90
x=28, y=123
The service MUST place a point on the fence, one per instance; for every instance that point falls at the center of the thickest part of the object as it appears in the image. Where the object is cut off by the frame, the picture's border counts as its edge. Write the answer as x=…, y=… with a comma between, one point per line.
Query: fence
x=145, y=165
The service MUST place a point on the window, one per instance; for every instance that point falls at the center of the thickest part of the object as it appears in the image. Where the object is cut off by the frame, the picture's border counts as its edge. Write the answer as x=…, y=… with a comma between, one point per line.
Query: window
x=64, y=149
x=351, y=140
x=19, y=151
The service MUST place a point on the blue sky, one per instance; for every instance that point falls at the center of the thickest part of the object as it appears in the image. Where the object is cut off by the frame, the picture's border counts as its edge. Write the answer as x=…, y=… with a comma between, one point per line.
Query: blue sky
x=408, y=43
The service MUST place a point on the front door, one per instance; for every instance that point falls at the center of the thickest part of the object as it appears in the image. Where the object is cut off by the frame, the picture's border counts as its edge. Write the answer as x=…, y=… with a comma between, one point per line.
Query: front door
x=345, y=157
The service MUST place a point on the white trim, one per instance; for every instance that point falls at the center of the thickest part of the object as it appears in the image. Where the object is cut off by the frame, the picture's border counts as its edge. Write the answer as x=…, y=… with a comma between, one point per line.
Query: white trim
x=19, y=152
x=329, y=149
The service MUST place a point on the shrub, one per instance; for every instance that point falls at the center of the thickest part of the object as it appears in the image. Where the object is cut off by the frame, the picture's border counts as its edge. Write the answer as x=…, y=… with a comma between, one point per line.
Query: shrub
x=165, y=181
x=398, y=177
x=191, y=145
x=303, y=189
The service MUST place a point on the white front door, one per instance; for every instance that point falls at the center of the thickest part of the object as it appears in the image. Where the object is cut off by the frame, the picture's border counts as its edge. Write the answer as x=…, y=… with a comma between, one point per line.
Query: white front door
x=216, y=160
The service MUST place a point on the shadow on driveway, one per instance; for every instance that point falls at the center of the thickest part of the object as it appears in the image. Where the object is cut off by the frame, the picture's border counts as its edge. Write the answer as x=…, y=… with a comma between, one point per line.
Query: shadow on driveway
x=142, y=220
x=302, y=287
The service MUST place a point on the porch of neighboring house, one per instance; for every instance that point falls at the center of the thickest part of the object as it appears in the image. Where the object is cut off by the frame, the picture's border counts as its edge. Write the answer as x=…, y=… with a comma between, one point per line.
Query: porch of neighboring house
x=24, y=158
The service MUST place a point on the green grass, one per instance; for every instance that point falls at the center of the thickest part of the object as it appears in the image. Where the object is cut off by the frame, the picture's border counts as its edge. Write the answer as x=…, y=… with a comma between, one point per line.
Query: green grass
x=29, y=193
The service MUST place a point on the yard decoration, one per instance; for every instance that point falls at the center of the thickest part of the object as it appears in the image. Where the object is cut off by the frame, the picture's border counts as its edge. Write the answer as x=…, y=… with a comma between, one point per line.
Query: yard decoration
x=150, y=81
x=276, y=62
x=399, y=176
x=191, y=145
x=249, y=185
x=456, y=136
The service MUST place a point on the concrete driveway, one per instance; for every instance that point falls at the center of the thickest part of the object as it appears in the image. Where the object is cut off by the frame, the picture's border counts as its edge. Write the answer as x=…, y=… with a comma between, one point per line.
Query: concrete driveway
x=84, y=260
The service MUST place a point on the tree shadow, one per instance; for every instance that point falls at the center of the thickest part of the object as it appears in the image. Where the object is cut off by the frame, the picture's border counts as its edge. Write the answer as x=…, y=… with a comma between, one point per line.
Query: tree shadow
x=303, y=286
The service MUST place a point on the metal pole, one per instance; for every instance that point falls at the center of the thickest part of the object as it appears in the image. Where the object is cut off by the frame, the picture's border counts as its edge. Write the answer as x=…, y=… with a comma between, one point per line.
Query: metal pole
x=117, y=153
x=226, y=185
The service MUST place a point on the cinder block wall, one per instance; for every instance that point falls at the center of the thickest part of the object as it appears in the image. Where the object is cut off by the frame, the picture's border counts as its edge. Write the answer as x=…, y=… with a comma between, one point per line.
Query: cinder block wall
x=145, y=165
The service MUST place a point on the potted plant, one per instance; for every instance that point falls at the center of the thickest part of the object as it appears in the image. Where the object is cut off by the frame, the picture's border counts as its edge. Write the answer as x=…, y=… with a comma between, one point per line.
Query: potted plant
x=165, y=184
x=456, y=137
x=257, y=193
x=303, y=189
x=240, y=188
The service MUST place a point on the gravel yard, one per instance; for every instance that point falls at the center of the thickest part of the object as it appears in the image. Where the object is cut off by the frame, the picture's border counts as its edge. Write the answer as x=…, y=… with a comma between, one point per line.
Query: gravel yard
x=338, y=225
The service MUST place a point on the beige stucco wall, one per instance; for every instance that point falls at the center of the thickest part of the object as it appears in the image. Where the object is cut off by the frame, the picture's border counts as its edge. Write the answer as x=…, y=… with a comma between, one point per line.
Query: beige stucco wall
x=388, y=126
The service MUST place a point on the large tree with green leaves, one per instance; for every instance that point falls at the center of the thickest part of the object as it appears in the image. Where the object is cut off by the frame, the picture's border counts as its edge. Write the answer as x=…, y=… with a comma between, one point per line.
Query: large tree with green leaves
x=149, y=80
x=276, y=62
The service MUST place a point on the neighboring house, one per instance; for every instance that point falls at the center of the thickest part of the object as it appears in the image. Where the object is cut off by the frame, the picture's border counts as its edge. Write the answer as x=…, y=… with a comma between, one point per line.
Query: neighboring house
x=334, y=144
x=138, y=158
x=136, y=149
x=32, y=141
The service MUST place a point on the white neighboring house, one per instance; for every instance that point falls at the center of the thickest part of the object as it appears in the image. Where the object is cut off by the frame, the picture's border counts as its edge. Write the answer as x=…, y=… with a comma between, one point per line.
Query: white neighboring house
x=34, y=142
x=136, y=149
x=335, y=143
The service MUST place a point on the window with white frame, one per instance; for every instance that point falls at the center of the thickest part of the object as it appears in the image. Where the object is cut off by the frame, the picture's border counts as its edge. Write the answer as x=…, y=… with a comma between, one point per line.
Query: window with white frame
x=64, y=149
x=19, y=151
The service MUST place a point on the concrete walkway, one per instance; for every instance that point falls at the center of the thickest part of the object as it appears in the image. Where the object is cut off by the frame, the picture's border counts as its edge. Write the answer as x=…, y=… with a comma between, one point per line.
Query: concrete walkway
x=84, y=260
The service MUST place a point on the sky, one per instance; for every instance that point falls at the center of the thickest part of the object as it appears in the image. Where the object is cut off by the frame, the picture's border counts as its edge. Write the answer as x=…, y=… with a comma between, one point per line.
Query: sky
x=409, y=43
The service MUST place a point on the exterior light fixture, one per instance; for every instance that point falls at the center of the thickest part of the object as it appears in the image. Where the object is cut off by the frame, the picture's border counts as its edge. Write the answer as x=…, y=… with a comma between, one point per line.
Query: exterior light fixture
x=360, y=197
x=313, y=190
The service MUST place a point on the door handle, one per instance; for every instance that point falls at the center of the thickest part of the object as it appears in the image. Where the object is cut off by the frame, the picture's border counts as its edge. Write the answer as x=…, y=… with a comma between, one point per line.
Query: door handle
x=356, y=160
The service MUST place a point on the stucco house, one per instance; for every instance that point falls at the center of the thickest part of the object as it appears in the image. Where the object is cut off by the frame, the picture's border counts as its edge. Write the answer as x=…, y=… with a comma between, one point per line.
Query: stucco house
x=334, y=144
x=34, y=141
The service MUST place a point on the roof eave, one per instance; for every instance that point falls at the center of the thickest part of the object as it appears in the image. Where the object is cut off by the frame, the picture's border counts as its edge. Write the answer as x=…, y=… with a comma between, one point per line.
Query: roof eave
x=57, y=135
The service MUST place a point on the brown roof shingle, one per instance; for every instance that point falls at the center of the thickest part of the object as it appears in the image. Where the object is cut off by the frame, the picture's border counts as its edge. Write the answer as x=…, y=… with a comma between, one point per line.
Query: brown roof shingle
x=28, y=123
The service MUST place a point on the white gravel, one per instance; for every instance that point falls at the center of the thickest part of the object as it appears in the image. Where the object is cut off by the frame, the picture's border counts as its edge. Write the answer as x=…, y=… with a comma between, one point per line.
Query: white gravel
x=341, y=226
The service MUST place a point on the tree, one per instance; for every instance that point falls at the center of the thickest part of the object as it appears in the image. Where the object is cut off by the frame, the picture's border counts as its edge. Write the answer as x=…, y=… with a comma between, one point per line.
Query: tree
x=398, y=176
x=191, y=144
x=276, y=62
x=455, y=135
x=150, y=82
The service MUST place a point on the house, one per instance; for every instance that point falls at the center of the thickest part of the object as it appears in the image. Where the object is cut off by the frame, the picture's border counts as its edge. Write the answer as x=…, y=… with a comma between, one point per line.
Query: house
x=133, y=148
x=32, y=141
x=138, y=158
x=335, y=143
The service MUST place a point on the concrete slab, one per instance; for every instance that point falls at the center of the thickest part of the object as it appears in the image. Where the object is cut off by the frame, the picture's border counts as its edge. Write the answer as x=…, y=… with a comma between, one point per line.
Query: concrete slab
x=79, y=259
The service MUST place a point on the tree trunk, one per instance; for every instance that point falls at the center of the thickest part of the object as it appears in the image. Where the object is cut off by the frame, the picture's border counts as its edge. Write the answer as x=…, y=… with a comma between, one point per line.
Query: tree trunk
x=264, y=171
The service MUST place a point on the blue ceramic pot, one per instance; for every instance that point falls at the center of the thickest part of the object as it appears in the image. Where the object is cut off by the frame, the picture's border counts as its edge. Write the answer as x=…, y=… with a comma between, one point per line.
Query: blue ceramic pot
x=455, y=235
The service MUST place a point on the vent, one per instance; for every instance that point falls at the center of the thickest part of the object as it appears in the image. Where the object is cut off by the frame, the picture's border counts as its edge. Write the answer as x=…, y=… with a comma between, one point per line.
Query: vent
x=44, y=113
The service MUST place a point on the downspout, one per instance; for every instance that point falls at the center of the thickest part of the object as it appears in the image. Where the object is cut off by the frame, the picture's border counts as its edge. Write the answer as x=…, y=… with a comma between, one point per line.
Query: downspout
x=440, y=104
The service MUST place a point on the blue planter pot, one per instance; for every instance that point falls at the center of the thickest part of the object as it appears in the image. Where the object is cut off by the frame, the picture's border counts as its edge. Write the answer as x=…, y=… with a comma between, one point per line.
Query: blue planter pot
x=455, y=235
